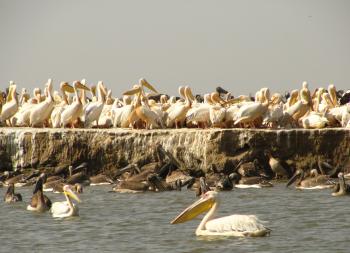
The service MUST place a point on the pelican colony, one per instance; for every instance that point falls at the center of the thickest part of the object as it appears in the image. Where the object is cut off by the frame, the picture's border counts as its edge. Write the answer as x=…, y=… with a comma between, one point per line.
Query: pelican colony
x=143, y=107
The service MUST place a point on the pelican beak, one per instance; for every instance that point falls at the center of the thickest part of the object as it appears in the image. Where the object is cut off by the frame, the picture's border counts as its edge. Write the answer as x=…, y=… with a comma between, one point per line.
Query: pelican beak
x=72, y=195
x=200, y=206
x=146, y=84
x=67, y=88
x=82, y=86
x=133, y=91
x=233, y=101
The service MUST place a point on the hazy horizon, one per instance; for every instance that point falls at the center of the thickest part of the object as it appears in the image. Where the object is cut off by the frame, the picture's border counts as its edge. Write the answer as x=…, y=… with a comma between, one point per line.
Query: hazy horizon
x=241, y=45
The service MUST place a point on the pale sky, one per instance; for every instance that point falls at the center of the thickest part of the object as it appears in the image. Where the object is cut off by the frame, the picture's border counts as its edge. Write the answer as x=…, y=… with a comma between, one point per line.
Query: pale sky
x=242, y=45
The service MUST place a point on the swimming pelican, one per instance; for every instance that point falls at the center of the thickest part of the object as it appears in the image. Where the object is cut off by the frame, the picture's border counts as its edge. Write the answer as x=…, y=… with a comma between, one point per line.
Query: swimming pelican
x=66, y=208
x=39, y=202
x=316, y=181
x=341, y=188
x=11, y=196
x=233, y=225
x=75, y=109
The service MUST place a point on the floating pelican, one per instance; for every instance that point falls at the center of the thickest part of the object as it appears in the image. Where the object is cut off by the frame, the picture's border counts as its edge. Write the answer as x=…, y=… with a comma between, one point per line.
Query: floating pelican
x=316, y=181
x=11, y=196
x=341, y=188
x=39, y=202
x=233, y=225
x=249, y=182
x=100, y=179
x=66, y=208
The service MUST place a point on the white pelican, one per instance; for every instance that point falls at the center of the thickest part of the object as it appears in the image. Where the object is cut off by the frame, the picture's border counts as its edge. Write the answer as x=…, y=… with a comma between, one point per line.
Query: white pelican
x=66, y=208
x=200, y=114
x=216, y=111
x=233, y=225
x=11, y=106
x=249, y=112
x=42, y=111
x=314, y=120
x=93, y=109
x=59, y=108
x=301, y=107
x=75, y=109
x=274, y=113
x=106, y=117
x=177, y=114
x=24, y=97
x=140, y=107
x=122, y=113
x=333, y=94
x=293, y=98
x=37, y=97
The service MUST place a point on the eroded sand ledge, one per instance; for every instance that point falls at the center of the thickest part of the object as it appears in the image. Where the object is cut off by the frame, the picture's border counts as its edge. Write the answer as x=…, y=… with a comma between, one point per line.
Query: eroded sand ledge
x=111, y=149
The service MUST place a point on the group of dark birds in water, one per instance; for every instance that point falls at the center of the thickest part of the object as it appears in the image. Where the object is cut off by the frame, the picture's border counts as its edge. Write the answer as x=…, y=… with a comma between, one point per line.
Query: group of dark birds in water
x=143, y=107
x=167, y=175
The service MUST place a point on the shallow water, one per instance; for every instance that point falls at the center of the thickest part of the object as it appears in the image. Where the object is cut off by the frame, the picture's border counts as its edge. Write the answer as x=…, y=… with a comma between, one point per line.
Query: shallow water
x=302, y=221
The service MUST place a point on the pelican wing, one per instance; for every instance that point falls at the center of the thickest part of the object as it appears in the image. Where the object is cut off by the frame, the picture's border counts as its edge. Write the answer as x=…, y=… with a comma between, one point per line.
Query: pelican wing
x=199, y=114
x=236, y=223
x=61, y=209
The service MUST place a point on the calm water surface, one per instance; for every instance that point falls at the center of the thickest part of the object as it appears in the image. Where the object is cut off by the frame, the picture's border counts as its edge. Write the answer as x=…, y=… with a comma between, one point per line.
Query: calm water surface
x=302, y=221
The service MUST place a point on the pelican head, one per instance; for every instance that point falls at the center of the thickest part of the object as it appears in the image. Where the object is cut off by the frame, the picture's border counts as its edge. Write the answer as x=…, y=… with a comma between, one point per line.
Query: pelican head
x=205, y=203
x=79, y=85
x=67, y=190
x=276, y=98
x=305, y=85
x=66, y=87
x=143, y=83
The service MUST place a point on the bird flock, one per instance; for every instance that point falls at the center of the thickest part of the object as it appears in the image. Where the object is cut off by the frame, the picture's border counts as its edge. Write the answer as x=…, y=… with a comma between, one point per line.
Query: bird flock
x=206, y=188
x=142, y=107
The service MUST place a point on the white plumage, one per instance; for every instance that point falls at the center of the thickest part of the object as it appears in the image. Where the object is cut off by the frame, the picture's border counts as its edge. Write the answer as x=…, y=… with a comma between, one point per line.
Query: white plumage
x=62, y=210
x=235, y=223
